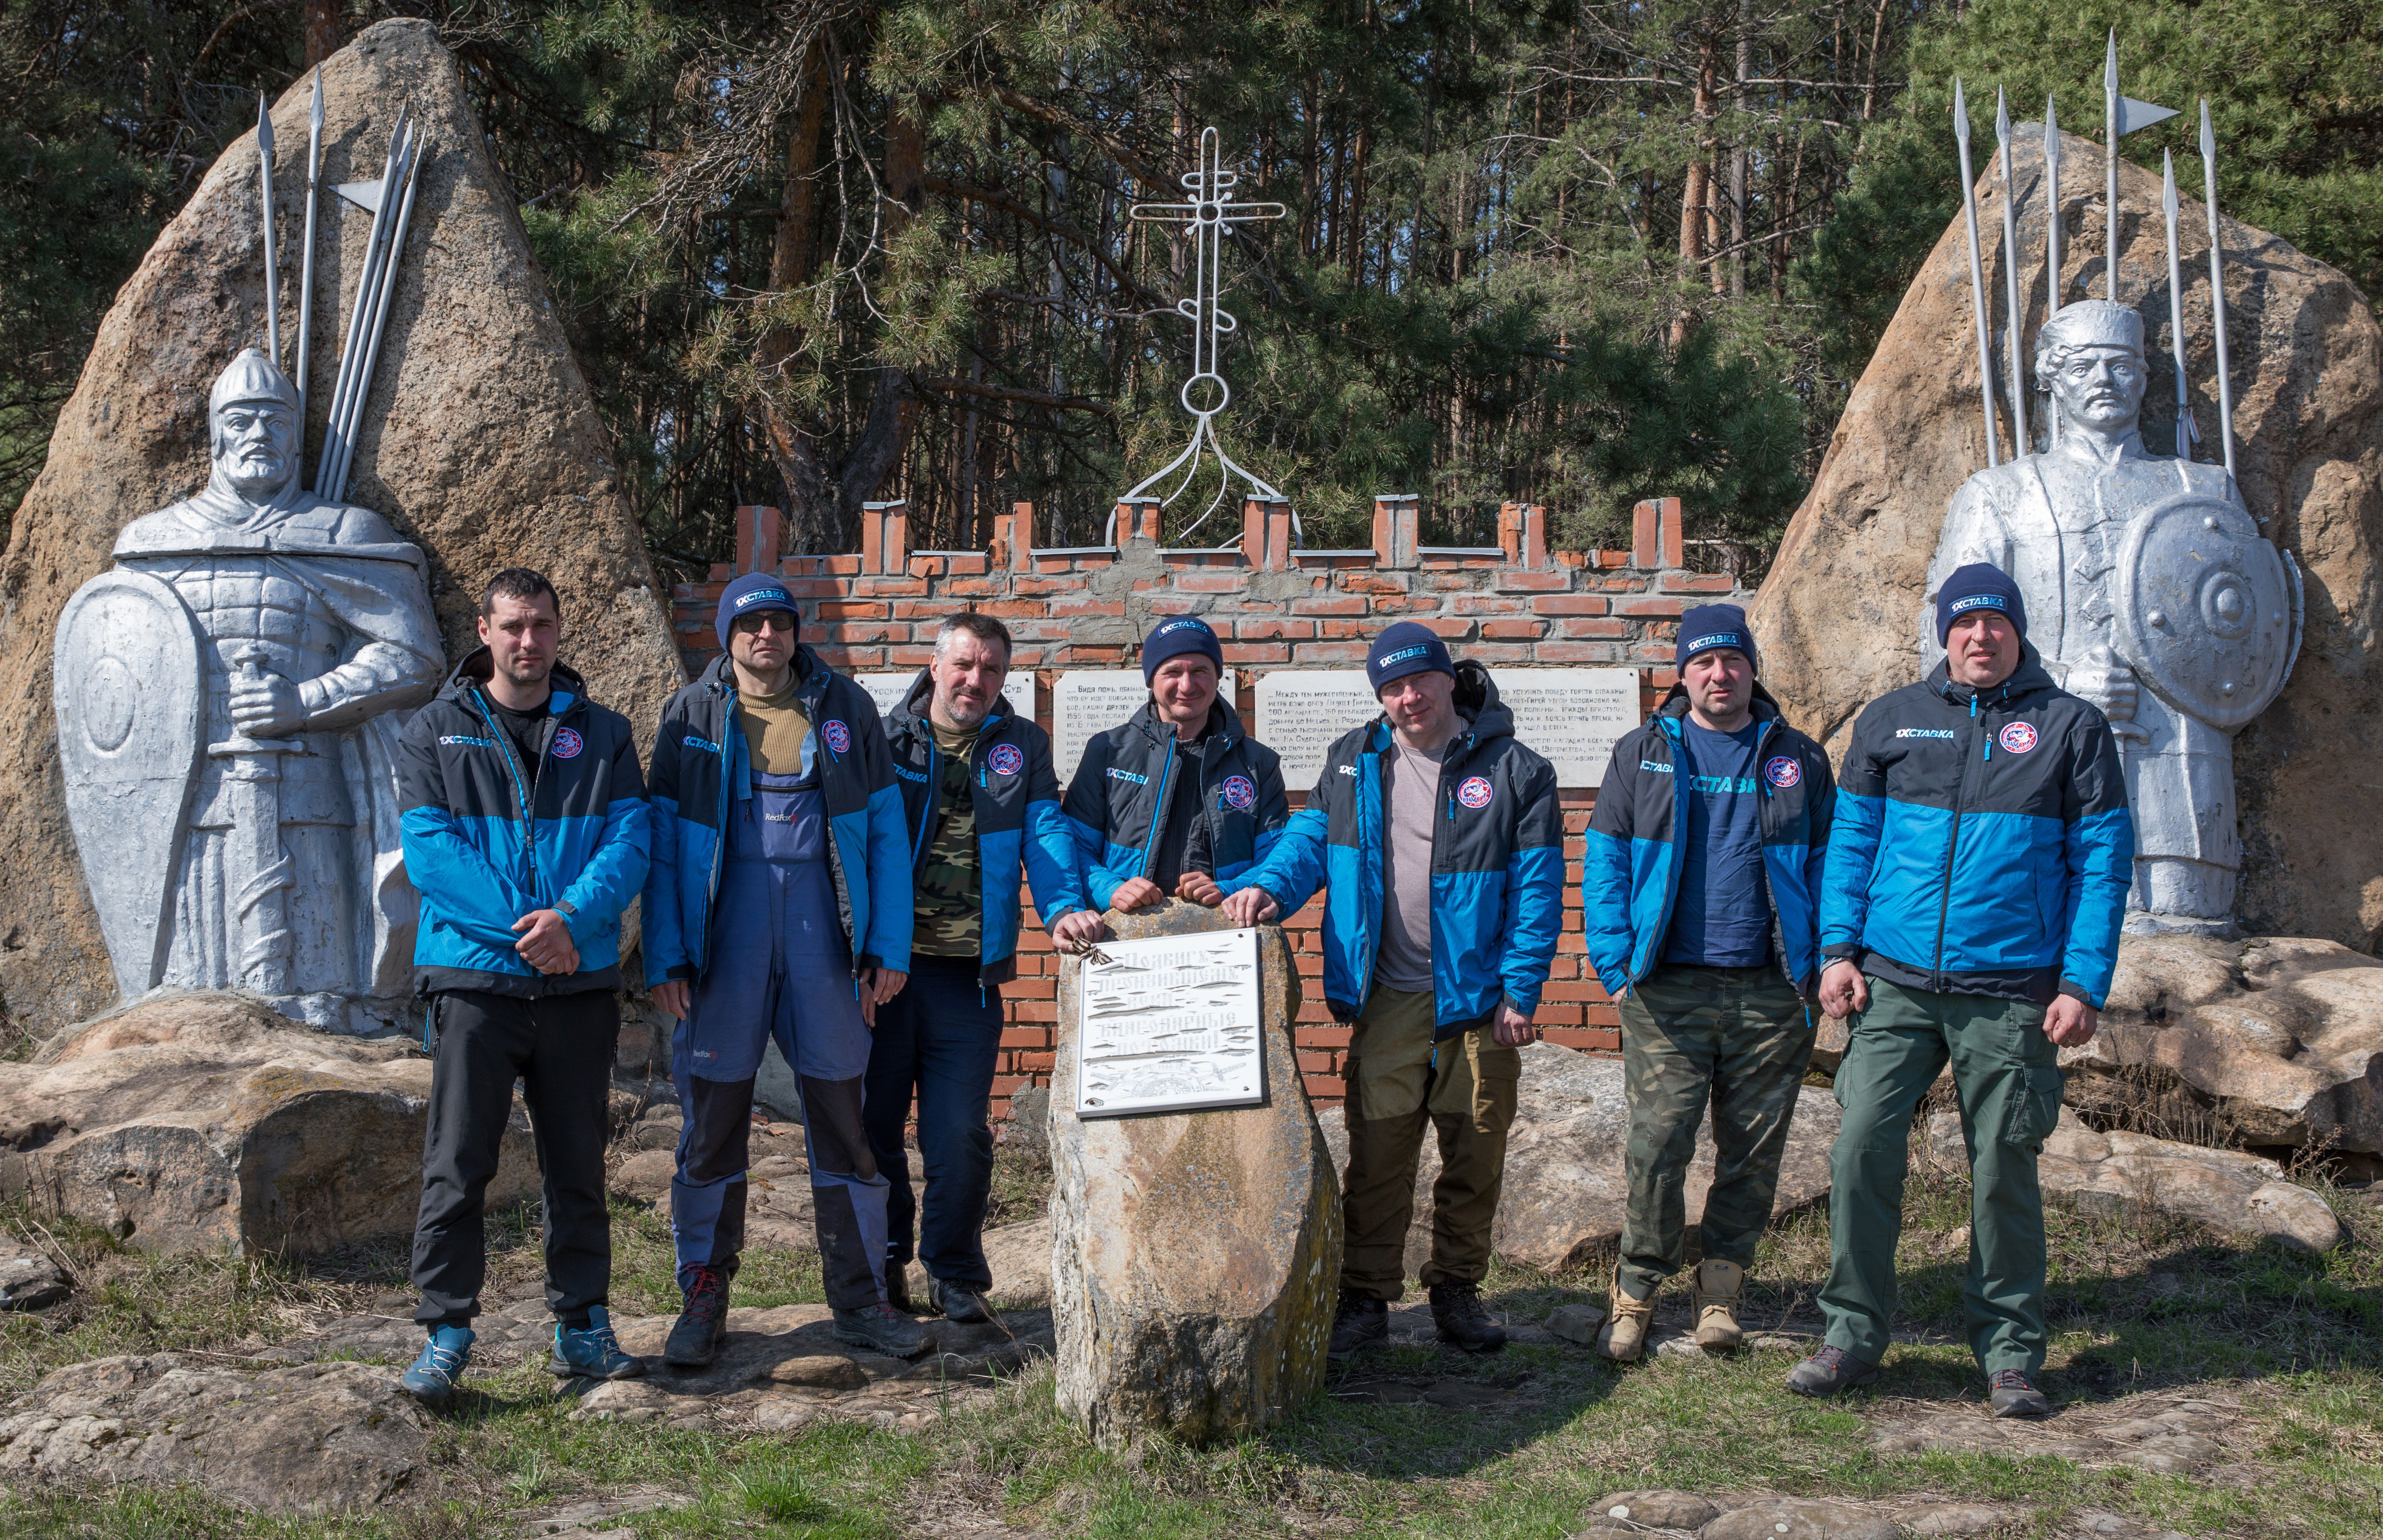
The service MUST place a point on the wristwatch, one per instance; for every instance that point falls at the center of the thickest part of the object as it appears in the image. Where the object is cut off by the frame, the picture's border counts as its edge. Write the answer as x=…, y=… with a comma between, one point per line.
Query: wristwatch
x=563, y=907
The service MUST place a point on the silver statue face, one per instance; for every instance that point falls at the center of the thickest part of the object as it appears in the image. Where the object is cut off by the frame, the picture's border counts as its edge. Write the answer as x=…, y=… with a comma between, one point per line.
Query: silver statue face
x=2101, y=387
x=256, y=445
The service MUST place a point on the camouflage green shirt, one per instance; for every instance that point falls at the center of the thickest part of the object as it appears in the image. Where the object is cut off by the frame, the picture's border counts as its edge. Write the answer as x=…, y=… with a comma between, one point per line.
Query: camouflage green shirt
x=950, y=916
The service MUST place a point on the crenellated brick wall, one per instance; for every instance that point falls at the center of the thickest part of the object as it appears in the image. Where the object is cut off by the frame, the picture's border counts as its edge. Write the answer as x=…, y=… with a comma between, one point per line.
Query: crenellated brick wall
x=1513, y=604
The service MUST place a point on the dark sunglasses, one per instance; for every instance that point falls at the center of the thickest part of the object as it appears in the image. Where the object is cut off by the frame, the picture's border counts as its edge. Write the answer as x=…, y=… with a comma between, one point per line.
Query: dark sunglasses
x=770, y=620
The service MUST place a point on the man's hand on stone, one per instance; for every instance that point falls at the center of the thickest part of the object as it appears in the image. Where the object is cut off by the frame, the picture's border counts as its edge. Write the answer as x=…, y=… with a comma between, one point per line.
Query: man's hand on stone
x=1200, y=887
x=1844, y=991
x=1251, y=906
x=670, y=998
x=547, y=946
x=1075, y=928
x=1137, y=893
x=2070, y=1022
x=1514, y=1028
x=266, y=708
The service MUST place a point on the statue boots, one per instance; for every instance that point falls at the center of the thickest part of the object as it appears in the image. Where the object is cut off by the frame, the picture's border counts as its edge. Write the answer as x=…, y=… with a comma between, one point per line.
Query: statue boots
x=1624, y=1336
x=1720, y=1286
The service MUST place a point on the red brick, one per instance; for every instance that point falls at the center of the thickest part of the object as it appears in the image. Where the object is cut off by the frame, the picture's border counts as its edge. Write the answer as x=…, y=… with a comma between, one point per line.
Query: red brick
x=1322, y=652
x=1698, y=583
x=967, y=588
x=1571, y=604
x=1037, y=1010
x=1044, y=1061
x=1487, y=604
x=1512, y=631
x=1257, y=652
x=1447, y=629
x=1025, y=1037
x=1323, y=1088
x=1219, y=580
x=1592, y=625
x=1665, y=609
x=1317, y=1064
x=1514, y=579
x=1272, y=630
x=1344, y=606
x=1324, y=1037
x=1578, y=652
x=1361, y=582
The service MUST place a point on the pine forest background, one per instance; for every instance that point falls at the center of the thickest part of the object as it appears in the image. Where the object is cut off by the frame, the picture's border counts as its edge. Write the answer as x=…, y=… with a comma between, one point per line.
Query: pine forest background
x=1572, y=251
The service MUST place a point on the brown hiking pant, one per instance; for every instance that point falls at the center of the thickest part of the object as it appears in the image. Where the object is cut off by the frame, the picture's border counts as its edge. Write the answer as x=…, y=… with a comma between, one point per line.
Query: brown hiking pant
x=1399, y=1082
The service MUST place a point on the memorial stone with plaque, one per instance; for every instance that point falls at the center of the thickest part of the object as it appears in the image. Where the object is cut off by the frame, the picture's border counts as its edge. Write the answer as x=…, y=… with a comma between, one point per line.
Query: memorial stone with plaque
x=1170, y=1026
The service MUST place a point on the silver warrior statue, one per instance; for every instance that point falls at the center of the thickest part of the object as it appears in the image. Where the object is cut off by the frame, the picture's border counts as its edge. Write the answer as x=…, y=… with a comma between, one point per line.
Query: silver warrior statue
x=229, y=701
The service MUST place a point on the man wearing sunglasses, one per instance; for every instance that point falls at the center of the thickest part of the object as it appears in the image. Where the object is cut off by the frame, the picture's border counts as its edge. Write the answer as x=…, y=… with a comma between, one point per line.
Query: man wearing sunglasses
x=778, y=904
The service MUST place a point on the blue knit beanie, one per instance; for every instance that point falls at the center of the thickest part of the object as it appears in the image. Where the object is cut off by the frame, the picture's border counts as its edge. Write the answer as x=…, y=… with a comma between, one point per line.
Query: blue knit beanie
x=1173, y=638
x=750, y=594
x=1404, y=648
x=1978, y=586
x=1712, y=627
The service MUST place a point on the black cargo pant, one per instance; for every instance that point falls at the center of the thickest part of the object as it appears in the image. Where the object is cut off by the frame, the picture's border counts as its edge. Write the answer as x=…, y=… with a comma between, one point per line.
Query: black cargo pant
x=561, y=1048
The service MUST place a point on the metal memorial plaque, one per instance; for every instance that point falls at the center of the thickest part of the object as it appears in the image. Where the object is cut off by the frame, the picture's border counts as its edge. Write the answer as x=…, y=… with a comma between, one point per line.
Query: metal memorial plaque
x=887, y=690
x=1572, y=716
x=1085, y=701
x=1301, y=711
x=1170, y=1024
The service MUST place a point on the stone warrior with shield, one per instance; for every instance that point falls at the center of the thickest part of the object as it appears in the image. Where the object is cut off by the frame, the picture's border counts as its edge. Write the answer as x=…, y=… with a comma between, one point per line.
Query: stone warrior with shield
x=225, y=700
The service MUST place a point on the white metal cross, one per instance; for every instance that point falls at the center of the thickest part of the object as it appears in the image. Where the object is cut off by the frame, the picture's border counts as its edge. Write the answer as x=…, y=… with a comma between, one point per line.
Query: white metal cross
x=1211, y=214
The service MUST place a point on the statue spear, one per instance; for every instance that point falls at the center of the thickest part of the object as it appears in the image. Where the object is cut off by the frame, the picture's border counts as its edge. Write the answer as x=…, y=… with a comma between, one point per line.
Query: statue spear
x=351, y=354
x=385, y=287
x=2218, y=289
x=2010, y=277
x=306, y=263
x=2051, y=209
x=2185, y=434
x=2110, y=132
x=272, y=247
x=1977, y=277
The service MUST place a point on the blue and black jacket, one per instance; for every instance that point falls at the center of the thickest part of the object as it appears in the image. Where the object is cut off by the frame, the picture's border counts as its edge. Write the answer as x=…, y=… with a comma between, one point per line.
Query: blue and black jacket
x=1015, y=794
x=1637, y=845
x=1983, y=844
x=701, y=768
x=1125, y=784
x=484, y=846
x=1497, y=864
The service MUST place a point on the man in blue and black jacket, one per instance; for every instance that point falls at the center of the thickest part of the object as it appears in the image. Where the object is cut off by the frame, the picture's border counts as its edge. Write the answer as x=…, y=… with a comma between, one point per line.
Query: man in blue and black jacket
x=778, y=905
x=1977, y=878
x=1440, y=841
x=982, y=806
x=1701, y=883
x=525, y=832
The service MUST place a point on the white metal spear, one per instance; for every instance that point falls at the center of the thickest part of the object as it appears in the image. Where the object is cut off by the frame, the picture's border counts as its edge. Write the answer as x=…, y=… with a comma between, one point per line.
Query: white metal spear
x=272, y=247
x=2124, y=115
x=2010, y=277
x=2218, y=289
x=1977, y=278
x=351, y=355
x=306, y=263
x=2184, y=428
x=2051, y=211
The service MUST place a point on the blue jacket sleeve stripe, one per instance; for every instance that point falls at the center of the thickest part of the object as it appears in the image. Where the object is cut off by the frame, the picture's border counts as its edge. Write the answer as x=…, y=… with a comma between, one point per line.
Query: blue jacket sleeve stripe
x=891, y=917
x=1051, y=856
x=1605, y=889
x=1533, y=922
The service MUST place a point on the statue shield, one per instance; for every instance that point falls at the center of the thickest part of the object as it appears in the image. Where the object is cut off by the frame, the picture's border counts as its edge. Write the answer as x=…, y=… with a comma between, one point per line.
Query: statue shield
x=128, y=681
x=2202, y=609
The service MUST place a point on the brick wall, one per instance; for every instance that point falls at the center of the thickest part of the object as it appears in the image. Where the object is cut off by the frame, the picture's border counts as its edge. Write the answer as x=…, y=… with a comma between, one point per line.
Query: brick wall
x=1509, y=605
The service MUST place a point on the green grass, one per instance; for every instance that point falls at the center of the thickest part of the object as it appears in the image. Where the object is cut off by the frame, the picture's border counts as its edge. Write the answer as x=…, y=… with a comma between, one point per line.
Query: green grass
x=2137, y=1302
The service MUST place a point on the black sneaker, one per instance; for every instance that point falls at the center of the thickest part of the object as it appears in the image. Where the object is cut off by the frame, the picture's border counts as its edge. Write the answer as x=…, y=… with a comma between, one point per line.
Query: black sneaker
x=881, y=1328
x=1360, y=1322
x=2012, y=1394
x=1830, y=1371
x=695, y=1339
x=954, y=1303
x=1456, y=1309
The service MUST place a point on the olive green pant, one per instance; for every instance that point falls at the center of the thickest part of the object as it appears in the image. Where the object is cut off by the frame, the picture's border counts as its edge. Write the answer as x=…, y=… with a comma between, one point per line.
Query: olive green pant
x=2008, y=1076
x=1400, y=1081
x=1737, y=1038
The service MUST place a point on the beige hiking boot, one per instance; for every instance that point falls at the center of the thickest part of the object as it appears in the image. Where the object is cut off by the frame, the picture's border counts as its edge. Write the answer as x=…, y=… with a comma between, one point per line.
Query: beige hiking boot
x=1624, y=1336
x=1719, y=1287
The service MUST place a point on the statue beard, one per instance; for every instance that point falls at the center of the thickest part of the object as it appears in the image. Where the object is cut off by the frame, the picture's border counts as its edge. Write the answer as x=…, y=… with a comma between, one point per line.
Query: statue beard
x=226, y=499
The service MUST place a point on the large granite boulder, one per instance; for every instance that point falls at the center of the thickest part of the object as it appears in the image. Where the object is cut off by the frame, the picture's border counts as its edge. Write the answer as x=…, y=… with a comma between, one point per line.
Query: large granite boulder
x=1839, y=617
x=481, y=442
x=1566, y=1187
x=206, y=1122
x=1195, y=1257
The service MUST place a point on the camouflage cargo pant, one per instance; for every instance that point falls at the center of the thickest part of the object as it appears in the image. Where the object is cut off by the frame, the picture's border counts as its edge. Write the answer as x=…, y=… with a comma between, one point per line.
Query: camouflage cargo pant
x=1740, y=1039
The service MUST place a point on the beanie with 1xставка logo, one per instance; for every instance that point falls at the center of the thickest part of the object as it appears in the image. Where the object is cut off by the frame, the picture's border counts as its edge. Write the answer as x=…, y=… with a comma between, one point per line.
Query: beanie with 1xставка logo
x=1978, y=586
x=1404, y=648
x=1711, y=628
x=750, y=594
x=1173, y=638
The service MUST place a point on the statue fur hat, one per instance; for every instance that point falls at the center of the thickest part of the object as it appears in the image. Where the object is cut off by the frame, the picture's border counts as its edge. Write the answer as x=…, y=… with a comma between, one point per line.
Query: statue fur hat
x=2087, y=323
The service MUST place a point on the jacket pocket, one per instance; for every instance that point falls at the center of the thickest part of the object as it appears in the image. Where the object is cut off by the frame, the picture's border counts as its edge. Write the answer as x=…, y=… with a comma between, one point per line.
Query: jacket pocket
x=2036, y=1111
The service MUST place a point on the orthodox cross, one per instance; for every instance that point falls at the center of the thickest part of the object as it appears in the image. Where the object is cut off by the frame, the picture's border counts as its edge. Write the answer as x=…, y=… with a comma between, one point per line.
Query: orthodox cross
x=1211, y=215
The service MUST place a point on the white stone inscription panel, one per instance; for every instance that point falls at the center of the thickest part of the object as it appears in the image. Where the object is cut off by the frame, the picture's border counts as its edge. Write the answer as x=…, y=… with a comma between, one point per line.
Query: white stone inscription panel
x=1085, y=701
x=1572, y=716
x=887, y=690
x=1170, y=1024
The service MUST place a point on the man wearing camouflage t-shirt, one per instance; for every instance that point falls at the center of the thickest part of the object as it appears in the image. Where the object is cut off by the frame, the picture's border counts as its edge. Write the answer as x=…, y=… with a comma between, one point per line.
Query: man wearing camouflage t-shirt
x=981, y=801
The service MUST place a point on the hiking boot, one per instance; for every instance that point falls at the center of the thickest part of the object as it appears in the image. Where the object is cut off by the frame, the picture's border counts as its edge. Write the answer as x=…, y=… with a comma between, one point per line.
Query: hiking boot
x=1359, y=1323
x=1830, y=1371
x=1456, y=1309
x=435, y=1374
x=897, y=1288
x=592, y=1351
x=1719, y=1286
x=1624, y=1336
x=881, y=1328
x=963, y=1305
x=2012, y=1394
x=702, y=1321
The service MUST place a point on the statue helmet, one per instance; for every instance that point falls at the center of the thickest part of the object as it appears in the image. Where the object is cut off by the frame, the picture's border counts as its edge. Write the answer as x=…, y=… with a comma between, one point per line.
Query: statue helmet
x=252, y=378
x=2087, y=323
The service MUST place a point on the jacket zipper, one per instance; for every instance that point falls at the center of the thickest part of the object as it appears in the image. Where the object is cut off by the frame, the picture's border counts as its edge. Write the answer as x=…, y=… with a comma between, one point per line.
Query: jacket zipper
x=521, y=797
x=1159, y=814
x=720, y=814
x=1951, y=845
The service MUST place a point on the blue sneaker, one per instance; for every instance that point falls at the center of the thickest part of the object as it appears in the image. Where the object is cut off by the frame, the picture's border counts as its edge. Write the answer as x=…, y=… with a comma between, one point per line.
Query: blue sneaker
x=593, y=1351
x=434, y=1375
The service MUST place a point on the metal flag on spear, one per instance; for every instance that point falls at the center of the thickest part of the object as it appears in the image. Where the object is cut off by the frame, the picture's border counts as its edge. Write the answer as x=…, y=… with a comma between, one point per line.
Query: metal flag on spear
x=2010, y=277
x=2186, y=433
x=2122, y=117
x=272, y=248
x=1977, y=277
x=2218, y=289
x=2051, y=214
x=306, y=263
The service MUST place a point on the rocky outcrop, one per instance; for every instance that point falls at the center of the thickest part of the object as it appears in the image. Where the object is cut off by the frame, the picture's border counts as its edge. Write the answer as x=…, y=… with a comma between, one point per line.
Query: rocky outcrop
x=29, y=1279
x=481, y=442
x=1838, y=617
x=1566, y=1187
x=1195, y=1256
x=313, y=1437
x=202, y=1122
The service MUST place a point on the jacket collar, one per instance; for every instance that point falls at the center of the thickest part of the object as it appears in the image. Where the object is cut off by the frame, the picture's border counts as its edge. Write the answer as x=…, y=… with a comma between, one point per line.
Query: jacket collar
x=479, y=665
x=1674, y=705
x=2027, y=679
x=1477, y=705
x=1222, y=724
